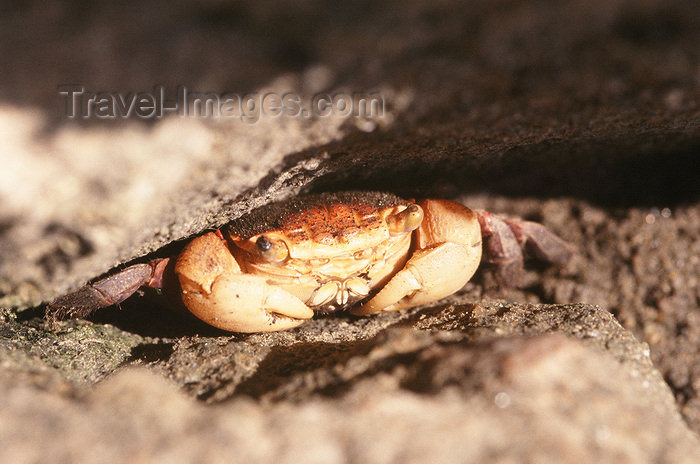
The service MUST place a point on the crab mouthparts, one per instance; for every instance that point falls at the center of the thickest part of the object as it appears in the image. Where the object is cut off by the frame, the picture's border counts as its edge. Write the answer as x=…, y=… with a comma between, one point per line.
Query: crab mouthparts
x=335, y=295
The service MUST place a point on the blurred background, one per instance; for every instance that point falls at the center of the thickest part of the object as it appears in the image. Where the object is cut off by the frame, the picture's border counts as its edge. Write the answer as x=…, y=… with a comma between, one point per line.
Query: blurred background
x=454, y=55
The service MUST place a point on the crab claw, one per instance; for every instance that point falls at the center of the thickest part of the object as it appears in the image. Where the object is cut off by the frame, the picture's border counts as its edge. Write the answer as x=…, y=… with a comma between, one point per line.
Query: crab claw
x=448, y=252
x=215, y=290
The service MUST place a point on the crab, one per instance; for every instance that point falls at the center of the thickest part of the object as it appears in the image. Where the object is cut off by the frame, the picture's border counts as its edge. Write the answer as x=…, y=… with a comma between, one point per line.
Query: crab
x=366, y=252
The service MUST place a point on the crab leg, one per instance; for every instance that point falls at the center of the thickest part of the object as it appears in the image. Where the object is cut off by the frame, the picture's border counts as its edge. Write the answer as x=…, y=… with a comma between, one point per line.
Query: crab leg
x=541, y=242
x=108, y=291
x=505, y=238
x=502, y=249
x=448, y=251
x=215, y=290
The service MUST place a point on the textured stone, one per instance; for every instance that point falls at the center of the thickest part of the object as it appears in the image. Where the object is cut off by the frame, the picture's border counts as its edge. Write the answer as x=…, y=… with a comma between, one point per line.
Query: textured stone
x=452, y=383
x=582, y=115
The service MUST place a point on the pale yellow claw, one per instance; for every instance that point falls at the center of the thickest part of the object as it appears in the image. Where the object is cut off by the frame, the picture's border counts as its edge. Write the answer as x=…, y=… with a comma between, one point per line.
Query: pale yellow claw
x=449, y=251
x=246, y=303
x=428, y=276
x=215, y=290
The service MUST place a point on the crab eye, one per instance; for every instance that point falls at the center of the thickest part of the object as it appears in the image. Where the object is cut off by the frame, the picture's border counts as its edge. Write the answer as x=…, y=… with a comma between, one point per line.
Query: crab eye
x=271, y=250
x=263, y=244
x=407, y=220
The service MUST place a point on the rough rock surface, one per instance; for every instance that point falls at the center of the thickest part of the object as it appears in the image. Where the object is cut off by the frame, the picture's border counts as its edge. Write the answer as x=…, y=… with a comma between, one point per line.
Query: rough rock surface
x=452, y=383
x=583, y=115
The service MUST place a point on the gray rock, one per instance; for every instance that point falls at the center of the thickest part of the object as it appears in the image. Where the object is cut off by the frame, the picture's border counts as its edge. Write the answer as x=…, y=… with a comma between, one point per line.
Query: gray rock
x=454, y=383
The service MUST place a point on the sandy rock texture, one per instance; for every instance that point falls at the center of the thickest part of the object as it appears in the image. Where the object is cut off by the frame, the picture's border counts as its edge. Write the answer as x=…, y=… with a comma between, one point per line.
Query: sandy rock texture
x=453, y=383
x=582, y=115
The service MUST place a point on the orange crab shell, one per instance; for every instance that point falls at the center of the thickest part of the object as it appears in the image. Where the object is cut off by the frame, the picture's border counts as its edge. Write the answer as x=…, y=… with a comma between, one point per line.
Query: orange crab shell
x=281, y=263
x=340, y=238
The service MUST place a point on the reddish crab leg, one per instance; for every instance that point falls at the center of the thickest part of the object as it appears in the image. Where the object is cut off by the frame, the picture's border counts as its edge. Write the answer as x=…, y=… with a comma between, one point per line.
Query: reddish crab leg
x=542, y=243
x=503, y=242
x=108, y=291
x=502, y=249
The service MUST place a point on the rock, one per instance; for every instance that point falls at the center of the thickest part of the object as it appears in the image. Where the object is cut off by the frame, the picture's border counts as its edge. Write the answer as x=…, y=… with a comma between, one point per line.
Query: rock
x=589, y=126
x=451, y=383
